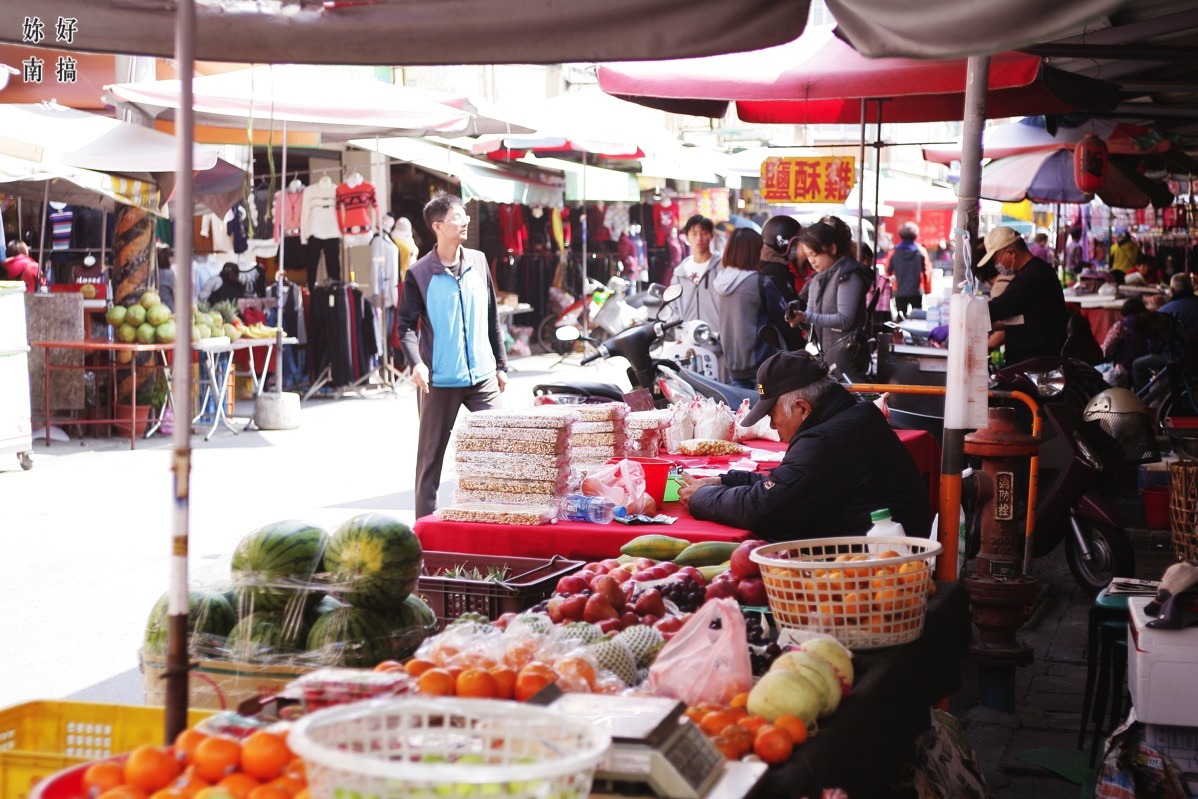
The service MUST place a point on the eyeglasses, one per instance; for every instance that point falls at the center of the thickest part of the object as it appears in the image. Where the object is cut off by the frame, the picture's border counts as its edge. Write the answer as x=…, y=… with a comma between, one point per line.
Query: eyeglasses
x=456, y=220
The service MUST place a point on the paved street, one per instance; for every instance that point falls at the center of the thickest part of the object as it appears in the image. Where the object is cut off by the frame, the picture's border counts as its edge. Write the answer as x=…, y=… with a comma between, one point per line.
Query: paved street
x=87, y=529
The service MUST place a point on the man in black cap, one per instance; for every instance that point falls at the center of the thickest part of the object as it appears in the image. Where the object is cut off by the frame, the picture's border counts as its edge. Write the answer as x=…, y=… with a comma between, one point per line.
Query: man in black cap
x=843, y=462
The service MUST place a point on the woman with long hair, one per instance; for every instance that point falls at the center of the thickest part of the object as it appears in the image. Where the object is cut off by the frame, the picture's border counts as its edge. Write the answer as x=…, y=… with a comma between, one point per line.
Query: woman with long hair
x=748, y=301
x=834, y=299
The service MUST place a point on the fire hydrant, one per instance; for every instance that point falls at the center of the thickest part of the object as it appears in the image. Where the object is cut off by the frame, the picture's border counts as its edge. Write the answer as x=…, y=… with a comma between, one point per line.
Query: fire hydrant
x=999, y=592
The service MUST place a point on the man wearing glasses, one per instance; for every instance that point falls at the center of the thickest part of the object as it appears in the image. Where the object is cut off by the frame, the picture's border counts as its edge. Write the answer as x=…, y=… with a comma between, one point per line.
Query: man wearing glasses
x=449, y=331
x=1032, y=309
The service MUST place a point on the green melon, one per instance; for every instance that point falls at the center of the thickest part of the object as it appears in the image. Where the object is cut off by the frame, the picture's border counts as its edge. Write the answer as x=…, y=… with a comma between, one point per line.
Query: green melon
x=353, y=637
x=210, y=617
x=274, y=564
x=373, y=561
x=327, y=604
x=411, y=623
x=265, y=638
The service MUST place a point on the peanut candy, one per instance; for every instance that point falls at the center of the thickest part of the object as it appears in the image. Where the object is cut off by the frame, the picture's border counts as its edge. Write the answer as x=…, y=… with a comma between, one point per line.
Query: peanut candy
x=710, y=446
x=497, y=513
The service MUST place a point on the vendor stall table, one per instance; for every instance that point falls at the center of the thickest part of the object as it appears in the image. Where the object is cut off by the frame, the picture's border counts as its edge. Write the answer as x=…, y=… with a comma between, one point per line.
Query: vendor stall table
x=1101, y=314
x=580, y=540
x=216, y=361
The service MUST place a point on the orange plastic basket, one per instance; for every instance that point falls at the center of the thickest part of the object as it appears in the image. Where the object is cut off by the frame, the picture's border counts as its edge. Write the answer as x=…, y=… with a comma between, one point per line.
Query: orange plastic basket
x=865, y=592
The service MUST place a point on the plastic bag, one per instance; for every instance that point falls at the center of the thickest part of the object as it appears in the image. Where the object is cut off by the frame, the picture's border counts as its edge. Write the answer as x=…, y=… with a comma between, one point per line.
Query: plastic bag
x=682, y=426
x=714, y=420
x=623, y=482
x=705, y=664
x=761, y=430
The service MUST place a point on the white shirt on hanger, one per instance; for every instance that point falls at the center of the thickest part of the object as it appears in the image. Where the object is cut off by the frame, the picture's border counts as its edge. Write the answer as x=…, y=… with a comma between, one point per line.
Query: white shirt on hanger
x=319, y=214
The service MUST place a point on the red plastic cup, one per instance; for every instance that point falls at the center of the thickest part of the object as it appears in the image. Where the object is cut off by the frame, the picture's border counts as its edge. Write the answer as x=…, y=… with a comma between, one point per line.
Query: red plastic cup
x=657, y=471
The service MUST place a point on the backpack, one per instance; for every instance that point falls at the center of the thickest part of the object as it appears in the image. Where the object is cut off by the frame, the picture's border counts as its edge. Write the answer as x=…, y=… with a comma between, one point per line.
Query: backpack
x=773, y=331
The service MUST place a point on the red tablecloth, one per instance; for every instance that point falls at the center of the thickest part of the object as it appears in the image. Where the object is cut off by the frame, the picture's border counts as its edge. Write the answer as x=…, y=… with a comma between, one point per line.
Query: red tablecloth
x=596, y=541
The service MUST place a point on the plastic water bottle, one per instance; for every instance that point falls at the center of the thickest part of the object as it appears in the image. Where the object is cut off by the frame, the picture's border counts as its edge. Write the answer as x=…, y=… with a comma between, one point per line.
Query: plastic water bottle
x=884, y=525
x=581, y=508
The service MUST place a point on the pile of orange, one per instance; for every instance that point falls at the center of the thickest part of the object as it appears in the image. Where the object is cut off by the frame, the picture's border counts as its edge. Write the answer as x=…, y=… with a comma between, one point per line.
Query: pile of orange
x=201, y=766
x=736, y=733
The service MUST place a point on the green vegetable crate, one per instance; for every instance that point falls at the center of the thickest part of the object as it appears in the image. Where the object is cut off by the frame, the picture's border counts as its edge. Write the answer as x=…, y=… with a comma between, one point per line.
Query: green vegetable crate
x=454, y=583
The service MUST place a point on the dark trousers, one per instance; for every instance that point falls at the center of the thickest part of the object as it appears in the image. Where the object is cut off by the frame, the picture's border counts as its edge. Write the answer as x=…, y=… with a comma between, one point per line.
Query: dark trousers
x=905, y=302
x=332, y=259
x=295, y=255
x=438, y=412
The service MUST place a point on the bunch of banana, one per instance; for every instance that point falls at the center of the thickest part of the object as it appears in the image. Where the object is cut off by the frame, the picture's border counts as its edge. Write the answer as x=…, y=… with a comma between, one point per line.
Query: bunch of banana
x=259, y=330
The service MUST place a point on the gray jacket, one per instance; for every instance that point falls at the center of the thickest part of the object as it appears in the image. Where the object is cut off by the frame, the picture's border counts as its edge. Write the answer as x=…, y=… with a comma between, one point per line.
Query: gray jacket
x=836, y=308
x=739, y=297
x=698, y=301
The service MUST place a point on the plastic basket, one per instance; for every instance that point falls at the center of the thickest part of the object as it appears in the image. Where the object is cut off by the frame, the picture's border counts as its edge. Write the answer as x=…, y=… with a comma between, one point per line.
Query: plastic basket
x=38, y=739
x=1183, y=508
x=532, y=580
x=865, y=592
x=447, y=747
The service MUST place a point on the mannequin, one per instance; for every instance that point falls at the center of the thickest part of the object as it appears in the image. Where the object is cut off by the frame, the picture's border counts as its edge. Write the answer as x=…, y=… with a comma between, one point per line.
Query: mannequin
x=666, y=219
x=319, y=231
x=357, y=211
x=289, y=206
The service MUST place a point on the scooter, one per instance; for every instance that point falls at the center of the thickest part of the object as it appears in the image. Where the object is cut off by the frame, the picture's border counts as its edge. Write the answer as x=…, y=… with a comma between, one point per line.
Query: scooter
x=1082, y=442
x=665, y=379
x=690, y=346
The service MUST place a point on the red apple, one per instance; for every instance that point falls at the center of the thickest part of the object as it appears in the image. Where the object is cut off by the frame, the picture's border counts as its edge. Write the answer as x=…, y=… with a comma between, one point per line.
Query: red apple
x=608, y=586
x=668, y=624
x=650, y=620
x=573, y=607
x=694, y=573
x=608, y=626
x=669, y=565
x=609, y=564
x=658, y=572
x=503, y=621
x=650, y=603
x=629, y=619
x=644, y=577
x=621, y=576
x=724, y=577
x=741, y=564
x=571, y=584
x=598, y=608
x=751, y=591
x=719, y=589
x=643, y=563
x=554, y=608
x=629, y=588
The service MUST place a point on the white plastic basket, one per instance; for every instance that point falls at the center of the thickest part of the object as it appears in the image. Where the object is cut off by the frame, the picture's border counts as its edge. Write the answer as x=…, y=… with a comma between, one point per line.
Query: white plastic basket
x=412, y=746
x=865, y=592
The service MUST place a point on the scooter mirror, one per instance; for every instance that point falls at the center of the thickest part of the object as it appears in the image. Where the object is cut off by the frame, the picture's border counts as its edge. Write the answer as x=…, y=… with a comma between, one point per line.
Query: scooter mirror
x=567, y=333
x=672, y=293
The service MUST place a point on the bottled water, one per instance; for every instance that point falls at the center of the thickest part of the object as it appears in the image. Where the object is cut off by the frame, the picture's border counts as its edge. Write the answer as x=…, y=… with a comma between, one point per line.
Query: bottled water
x=884, y=525
x=581, y=508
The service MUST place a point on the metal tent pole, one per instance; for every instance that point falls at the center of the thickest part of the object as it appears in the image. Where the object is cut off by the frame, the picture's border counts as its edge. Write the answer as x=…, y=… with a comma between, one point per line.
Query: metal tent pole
x=280, y=280
x=861, y=180
x=582, y=287
x=177, y=660
x=42, y=266
x=877, y=175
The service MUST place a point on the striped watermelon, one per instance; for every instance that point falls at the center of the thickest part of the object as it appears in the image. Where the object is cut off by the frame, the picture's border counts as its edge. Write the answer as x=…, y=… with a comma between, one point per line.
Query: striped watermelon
x=373, y=561
x=353, y=637
x=411, y=623
x=272, y=565
x=209, y=619
x=265, y=637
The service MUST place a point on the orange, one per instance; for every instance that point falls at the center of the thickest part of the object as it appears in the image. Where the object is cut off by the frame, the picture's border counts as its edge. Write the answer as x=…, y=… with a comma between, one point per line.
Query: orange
x=103, y=776
x=217, y=757
x=736, y=714
x=190, y=783
x=151, y=768
x=297, y=769
x=264, y=755
x=714, y=722
x=436, y=682
x=124, y=792
x=454, y=671
x=727, y=747
x=531, y=679
x=389, y=665
x=771, y=745
x=856, y=604
x=505, y=681
x=269, y=792
x=417, y=666
x=794, y=727
x=695, y=714
x=886, y=601
x=574, y=668
x=289, y=784
x=304, y=794
x=238, y=784
x=168, y=793
x=211, y=792
x=185, y=745
x=520, y=653
x=477, y=683
x=752, y=723
x=740, y=737
x=740, y=700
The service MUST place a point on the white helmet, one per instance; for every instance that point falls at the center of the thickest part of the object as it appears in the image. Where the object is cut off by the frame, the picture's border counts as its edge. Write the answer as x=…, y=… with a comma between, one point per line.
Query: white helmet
x=1113, y=400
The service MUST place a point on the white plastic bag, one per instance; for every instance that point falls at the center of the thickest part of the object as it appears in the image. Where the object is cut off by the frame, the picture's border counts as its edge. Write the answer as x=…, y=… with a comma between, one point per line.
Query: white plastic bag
x=761, y=430
x=702, y=664
x=715, y=421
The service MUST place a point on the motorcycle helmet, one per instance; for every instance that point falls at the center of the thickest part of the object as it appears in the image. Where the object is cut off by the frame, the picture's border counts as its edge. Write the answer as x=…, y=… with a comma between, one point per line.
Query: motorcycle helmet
x=1122, y=416
x=777, y=232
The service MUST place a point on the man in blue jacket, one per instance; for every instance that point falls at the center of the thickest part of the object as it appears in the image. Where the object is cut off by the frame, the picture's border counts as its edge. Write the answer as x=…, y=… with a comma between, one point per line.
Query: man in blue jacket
x=449, y=331
x=843, y=463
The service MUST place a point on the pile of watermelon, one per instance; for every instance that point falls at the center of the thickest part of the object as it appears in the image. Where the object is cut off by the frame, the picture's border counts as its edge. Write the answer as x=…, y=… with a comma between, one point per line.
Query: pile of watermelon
x=304, y=597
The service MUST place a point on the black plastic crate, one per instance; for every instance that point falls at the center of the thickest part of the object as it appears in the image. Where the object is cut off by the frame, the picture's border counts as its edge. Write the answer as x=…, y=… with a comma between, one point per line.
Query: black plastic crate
x=532, y=580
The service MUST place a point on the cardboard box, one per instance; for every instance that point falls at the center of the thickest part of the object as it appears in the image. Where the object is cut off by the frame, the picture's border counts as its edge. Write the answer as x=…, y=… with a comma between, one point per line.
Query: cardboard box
x=218, y=684
x=1161, y=669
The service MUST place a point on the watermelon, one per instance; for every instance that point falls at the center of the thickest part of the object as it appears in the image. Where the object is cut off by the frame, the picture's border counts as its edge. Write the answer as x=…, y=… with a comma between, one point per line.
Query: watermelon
x=411, y=623
x=265, y=637
x=274, y=564
x=210, y=617
x=373, y=561
x=327, y=604
x=353, y=637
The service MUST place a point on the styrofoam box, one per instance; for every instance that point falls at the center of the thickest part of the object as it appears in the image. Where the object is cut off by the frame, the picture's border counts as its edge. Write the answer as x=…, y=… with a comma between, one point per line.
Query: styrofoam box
x=1179, y=744
x=1161, y=670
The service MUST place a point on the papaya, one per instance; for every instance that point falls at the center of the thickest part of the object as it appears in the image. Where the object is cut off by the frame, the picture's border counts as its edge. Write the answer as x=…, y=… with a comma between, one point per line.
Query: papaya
x=711, y=572
x=656, y=547
x=707, y=553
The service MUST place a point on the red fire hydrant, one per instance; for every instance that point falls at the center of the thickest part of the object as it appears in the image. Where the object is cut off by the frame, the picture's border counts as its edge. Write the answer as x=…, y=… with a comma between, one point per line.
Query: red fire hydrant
x=999, y=592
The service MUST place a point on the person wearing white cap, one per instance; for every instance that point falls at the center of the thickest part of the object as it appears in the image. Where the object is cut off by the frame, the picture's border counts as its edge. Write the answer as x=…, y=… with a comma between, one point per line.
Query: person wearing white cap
x=1032, y=309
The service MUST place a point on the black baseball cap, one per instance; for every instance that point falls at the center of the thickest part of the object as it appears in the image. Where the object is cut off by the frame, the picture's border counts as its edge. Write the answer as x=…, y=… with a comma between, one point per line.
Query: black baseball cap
x=782, y=373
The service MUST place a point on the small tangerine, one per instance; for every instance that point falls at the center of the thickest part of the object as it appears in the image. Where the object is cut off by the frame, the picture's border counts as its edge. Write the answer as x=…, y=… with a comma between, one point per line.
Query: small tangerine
x=239, y=784
x=794, y=727
x=477, y=683
x=264, y=755
x=437, y=682
x=417, y=666
x=771, y=745
x=151, y=768
x=505, y=681
x=217, y=757
x=103, y=776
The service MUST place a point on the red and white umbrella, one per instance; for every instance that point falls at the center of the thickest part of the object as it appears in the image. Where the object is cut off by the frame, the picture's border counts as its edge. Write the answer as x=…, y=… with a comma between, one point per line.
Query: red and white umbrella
x=1047, y=177
x=1028, y=135
x=818, y=78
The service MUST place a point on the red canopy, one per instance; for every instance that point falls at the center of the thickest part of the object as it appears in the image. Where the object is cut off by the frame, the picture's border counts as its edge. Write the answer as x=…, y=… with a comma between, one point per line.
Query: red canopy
x=818, y=78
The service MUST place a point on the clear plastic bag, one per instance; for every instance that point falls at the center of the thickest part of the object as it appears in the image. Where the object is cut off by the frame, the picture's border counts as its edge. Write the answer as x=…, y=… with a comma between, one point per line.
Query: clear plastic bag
x=761, y=430
x=622, y=482
x=705, y=664
x=682, y=426
x=714, y=420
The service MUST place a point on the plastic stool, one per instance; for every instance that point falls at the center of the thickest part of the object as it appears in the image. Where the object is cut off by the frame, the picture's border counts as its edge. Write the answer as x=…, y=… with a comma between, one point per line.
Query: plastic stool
x=1106, y=662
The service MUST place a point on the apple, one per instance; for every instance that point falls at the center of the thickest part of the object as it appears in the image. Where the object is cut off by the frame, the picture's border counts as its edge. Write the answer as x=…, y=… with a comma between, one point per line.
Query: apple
x=658, y=572
x=724, y=577
x=668, y=624
x=503, y=621
x=649, y=620
x=644, y=576
x=571, y=584
x=694, y=573
x=608, y=626
x=598, y=609
x=751, y=591
x=554, y=608
x=741, y=565
x=609, y=564
x=650, y=603
x=720, y=589
x=629, y=619
x=607, y=585
x=629, y=589
x=573, y=607
x=621, y=576
x=641, y=564
x=669, y=565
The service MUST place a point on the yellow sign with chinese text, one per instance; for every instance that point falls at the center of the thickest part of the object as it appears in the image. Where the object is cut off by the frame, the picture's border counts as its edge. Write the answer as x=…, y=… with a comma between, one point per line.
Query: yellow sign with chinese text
x=822, y=179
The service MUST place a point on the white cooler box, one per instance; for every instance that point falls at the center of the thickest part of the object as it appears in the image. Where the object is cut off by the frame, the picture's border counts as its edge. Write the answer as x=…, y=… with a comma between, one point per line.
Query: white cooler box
x=1162, y=670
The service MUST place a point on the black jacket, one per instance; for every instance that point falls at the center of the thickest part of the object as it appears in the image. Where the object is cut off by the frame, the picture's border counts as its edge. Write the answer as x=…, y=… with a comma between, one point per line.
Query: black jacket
x=844, y=463
x=1035, y=294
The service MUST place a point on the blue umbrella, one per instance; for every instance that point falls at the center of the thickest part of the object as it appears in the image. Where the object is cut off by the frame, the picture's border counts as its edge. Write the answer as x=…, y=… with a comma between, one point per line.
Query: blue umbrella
x=736, y=221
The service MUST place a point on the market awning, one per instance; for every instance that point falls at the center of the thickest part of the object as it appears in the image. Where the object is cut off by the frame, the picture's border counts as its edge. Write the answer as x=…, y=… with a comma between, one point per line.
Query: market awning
x=479, y=180
x=602, y=185
x=74, y=186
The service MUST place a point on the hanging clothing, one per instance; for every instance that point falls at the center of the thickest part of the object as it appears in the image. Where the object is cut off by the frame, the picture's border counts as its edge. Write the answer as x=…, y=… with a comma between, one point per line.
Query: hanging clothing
x=665, y=219
x=217, y=229
x=289, y=206
x=513, y=232
x=384, y=274
x=556, y=229
x=318, y=215
x=357, y=209
x=60, y=223
x=616, y=219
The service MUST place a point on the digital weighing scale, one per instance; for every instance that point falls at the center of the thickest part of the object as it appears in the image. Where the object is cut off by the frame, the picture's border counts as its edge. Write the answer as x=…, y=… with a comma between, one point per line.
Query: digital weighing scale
x=655, y=746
